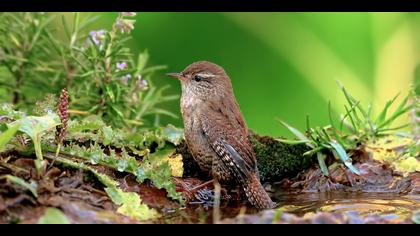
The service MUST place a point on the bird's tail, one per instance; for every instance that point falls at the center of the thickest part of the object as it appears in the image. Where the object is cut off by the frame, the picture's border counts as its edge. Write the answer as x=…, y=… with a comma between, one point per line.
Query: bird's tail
x=256, y=194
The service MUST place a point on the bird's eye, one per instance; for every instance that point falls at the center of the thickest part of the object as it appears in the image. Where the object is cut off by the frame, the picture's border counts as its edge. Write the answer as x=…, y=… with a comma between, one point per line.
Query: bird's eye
x=198, y=78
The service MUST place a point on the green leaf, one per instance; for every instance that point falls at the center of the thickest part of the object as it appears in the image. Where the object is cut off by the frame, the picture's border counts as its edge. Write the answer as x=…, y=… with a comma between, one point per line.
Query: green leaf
x=6, y=136
x=65, y=26
x=92, y=123
x=172, y=134
x=142, y=61
x=110, y=93
x=402, y=109
x=342, y=155
x=158, y=167
x=108, y=134
x=296, y=132
x=321, y=161
x=382, y=115
x=53, y=216
x=340, y=150
x=333, y=128
x=119, y=113
x=313, y=151
x=31, y=187
x=349, y=114
x=351, y=101
x=292, y=142
x=35, y=126
x=130, y=204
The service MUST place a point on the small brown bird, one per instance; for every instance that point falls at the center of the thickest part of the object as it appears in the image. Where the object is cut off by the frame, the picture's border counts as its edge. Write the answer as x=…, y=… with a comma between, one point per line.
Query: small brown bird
x=215, y=131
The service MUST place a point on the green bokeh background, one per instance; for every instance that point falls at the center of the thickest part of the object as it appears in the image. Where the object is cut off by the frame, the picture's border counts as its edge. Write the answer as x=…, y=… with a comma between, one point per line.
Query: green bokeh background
x=285, y=65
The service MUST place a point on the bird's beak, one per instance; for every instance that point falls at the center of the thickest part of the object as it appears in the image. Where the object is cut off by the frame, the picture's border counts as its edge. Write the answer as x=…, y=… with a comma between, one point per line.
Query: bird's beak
x=179, y=76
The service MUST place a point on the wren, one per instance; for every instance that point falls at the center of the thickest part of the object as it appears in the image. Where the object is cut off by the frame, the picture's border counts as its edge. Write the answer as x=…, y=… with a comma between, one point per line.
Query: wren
x=215, y=130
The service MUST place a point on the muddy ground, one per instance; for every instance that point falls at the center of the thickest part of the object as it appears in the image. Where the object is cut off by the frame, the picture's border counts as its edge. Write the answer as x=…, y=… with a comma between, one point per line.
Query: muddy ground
x=79, y=195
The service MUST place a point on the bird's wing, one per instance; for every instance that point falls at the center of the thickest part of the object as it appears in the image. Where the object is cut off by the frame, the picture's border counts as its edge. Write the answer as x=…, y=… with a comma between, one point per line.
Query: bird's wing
x=231, y=144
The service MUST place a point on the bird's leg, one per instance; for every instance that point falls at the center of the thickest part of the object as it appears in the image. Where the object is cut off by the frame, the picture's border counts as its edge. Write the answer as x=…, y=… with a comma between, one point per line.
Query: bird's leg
x=190, y=192
x=198, y=187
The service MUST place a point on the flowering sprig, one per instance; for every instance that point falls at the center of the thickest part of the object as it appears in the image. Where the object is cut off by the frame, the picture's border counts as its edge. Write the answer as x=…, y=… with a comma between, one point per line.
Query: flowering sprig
x=125, y=25
x=113, y=83
x=121, y=65
x=141, y=84
x=62, y=110
x=126, y=78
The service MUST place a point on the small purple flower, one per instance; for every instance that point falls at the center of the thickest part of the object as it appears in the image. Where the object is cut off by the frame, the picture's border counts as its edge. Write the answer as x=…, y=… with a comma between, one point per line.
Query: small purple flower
x=97, y=37
x=141, y=84
x=126, y=78
x=121, y=65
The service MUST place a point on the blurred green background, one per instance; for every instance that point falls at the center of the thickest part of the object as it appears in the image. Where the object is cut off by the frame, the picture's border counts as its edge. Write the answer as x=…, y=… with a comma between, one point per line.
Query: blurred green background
x=285, y=65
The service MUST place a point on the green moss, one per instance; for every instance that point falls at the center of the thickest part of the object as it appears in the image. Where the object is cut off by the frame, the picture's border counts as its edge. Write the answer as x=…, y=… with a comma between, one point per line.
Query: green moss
x=277, y=160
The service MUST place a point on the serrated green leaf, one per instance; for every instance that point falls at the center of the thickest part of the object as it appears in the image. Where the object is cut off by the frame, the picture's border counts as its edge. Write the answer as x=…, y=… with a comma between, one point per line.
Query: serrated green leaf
x=172, y=134
x=130, y=205
x=108, y=135
x=129, y=202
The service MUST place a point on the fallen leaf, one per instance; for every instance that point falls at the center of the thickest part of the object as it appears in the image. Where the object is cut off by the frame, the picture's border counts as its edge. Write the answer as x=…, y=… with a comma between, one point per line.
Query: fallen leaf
x=53, y=216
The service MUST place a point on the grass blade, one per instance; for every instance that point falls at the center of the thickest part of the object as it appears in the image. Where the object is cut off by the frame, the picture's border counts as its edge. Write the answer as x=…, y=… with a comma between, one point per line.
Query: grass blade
x=334, y=129
x=382, y=115
x=296, y=132
x=349, y=114
x=342, y=155
x=292, y=142
x=398, y=112
x=350, y=100
x=340, y=151
x=393, y=129
x=321, y=161
x=313, y=151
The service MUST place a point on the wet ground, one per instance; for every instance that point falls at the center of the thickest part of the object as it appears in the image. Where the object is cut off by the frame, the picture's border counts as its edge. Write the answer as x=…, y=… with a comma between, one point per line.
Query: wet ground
x=379, y=195
x=332, y=207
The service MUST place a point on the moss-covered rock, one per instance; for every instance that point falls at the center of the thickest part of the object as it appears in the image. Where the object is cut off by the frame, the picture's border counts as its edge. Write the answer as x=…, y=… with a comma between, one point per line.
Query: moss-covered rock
x=275, y=160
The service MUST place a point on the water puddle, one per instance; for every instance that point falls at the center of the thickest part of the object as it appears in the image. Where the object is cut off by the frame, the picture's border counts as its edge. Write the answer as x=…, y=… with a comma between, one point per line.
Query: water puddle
x=391, y=207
